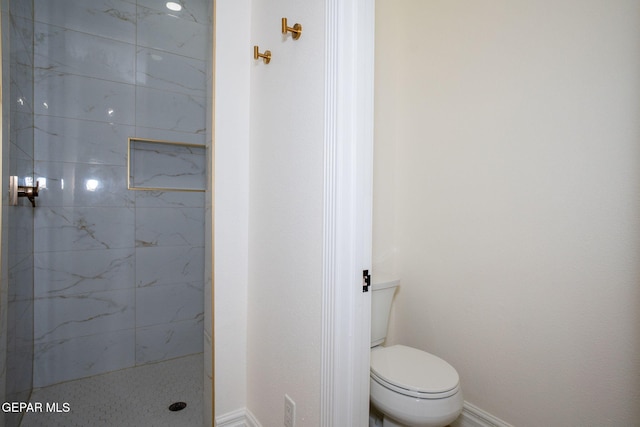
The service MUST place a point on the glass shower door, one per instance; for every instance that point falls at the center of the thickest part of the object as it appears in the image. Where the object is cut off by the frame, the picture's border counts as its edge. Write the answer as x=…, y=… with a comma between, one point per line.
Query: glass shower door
x=16, y=297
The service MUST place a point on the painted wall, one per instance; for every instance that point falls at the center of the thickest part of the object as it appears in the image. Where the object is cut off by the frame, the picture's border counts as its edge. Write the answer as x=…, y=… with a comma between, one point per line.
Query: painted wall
x=286, y=213
x=507, y=183
x=233, y=59
x=119, y=274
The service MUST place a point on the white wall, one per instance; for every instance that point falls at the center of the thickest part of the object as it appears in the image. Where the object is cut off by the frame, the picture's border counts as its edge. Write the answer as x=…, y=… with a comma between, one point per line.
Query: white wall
x=286, y=213
x=233, y=60
x=508, y=143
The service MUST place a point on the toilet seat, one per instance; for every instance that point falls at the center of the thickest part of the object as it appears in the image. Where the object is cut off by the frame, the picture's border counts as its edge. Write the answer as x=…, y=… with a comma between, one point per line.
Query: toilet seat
x=413, y=372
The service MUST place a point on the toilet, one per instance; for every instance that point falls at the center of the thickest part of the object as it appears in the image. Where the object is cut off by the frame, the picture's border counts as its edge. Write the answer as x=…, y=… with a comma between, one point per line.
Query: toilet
x=409, y=387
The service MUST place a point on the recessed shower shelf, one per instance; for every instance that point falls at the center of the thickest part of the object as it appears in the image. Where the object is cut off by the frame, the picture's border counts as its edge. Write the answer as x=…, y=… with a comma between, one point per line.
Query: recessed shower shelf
x=156, y=165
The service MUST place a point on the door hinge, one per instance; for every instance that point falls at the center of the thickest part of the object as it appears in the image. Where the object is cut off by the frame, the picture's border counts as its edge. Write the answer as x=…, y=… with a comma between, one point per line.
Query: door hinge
x=366, y=280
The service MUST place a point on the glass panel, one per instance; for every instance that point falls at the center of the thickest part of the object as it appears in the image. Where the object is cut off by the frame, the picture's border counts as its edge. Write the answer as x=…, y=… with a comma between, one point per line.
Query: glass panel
x=109, y=292
x=17, y=221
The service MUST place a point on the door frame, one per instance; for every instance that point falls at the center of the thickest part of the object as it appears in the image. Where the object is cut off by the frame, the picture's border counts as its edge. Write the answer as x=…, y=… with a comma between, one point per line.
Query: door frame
x=346, y=310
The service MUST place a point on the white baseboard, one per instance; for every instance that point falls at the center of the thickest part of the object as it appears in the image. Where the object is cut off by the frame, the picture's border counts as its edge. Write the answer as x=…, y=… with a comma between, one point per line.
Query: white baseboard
x=252, y=421
x=472, y=416
x=238, y=418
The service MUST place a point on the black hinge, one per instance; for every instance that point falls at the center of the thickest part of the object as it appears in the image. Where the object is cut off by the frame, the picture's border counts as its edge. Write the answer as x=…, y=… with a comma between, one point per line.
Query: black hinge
x=366, y=280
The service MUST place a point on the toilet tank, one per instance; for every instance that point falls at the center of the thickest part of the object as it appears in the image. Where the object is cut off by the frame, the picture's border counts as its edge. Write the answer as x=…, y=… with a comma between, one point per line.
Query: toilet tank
x=381, y=298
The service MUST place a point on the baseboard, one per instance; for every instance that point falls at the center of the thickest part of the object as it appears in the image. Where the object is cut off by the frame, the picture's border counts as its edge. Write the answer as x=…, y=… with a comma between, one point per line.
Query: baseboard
x=472, y=416
x=252, y=421
x=238, y=418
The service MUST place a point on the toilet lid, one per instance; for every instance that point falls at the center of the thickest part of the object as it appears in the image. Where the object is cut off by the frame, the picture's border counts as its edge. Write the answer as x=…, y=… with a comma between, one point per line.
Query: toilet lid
x=413, y=371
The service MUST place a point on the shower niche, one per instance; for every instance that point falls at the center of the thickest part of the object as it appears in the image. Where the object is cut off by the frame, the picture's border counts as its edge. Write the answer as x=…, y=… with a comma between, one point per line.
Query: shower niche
x=166, y=165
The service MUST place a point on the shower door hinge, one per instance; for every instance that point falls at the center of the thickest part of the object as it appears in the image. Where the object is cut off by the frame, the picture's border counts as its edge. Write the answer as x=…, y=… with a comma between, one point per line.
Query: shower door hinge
x=366, y=280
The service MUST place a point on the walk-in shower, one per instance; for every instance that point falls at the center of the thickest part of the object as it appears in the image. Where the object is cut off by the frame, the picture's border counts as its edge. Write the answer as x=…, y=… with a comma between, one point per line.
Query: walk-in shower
x=107, y=110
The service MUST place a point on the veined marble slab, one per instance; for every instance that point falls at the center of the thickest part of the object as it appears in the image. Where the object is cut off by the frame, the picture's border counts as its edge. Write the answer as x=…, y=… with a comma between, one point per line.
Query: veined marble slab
x=79, y=184
x=67, y=229
x=84, y=356
x=169, y=303
x=58, y=139
x=64, y=317
x=169, y=227
x=66, y=51
x=170, y=110
x=168, y=265
x=165, y=31
x=170, y=72
x=114, y=19
x=64, y=273
x=80, y=97
x=161, y=342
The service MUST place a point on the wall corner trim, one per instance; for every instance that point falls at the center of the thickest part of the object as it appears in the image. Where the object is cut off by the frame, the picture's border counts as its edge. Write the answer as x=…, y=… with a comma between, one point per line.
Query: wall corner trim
x=472, y=416
x=239, y=418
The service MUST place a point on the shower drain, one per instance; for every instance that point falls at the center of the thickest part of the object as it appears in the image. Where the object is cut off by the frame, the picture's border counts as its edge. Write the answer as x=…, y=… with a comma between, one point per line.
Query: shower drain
x=177, y=406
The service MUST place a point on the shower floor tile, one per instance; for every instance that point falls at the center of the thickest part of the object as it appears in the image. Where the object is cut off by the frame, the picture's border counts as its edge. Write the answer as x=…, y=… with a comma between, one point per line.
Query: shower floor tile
x=136, y=397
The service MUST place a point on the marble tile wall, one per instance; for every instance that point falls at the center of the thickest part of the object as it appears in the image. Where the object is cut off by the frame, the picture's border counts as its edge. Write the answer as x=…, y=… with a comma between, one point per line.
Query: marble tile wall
x=18, y=34
x=119, y=274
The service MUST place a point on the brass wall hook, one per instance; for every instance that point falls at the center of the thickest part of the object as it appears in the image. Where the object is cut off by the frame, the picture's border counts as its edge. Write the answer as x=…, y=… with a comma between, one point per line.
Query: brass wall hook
x=296, y=31
x=266, y=56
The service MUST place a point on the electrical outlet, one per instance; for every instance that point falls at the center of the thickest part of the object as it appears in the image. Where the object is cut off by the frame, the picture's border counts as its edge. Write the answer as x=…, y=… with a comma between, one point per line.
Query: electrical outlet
x=289, y=412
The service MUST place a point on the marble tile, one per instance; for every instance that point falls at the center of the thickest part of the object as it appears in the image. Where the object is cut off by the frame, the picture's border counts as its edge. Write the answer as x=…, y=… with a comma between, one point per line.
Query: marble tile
x=65, y=51
x=21, y=40
x=88, y=272
x=20, y=278
x=168, y=265
x=161, y=342
x=170, y=303
x=79, y=184
x=20, y=233
x=82, y=97
x=163, y=199
x=113, y=19
x=169, y=135
x=20, y=323
x=80, y=141
x=19, y=372
x=64, y=273
x=78, y=357
x=21, y=133
x=21, y=89
x=165, y=31
x=192, y=10
x=170, y=110
x=66, y=229
x=170, y=72
x=167, y=166
x=169, y=227
x=64, y=317
x=23, y=8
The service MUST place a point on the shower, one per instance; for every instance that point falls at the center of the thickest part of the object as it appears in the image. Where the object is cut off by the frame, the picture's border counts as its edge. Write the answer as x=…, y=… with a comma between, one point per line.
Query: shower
x=107, y=110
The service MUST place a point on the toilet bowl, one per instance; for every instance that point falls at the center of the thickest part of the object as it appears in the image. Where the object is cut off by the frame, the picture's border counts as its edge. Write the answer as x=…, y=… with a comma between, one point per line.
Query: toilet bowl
x=413, y=388
x=409, y=387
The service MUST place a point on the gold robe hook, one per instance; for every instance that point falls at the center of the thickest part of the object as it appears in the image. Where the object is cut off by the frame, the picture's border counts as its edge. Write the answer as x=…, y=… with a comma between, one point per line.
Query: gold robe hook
x=296, y=31
x=266, y=56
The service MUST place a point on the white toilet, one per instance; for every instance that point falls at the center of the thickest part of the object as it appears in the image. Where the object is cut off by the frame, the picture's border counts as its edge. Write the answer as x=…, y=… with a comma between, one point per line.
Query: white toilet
x=409, y=387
